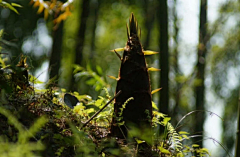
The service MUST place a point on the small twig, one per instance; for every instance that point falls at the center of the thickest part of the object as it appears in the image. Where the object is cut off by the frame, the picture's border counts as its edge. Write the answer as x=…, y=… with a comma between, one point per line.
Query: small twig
x=119, y=56
x=119, y=92
x=194, y=112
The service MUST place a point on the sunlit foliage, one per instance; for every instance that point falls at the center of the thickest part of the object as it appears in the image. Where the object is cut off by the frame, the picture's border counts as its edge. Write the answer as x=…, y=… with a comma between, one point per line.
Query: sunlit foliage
x=11, y=6
x=59, y=9
x=56, y=124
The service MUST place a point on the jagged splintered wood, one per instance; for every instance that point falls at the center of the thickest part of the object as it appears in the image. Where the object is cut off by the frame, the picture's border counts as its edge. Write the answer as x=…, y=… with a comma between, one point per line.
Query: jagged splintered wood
x=133, y=81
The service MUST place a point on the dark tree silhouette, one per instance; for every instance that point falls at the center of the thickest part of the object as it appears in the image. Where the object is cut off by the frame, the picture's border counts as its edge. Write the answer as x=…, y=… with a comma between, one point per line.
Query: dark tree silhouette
x=55, y=57
x=237, y=148
x=200, y=89
x=163, y=57
x=134, y=83
x=81, y=31
x=95, y=7
x=84, y=14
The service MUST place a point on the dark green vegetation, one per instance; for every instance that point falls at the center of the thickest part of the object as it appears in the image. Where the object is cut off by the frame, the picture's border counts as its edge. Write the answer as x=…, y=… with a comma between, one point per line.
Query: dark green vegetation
x=39, y=123
x=74, y=38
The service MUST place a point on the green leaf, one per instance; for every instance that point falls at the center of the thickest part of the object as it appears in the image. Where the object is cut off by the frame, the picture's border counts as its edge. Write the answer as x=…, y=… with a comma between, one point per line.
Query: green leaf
x=163, y=150
x=26, y=135
x=99, y=102
x=16, y=5
x=85, y=97
x=79, y=109
x=185, y=136
x=180, y=154
x=195, y=145
x=166, y=120
x=91, y=81
x=7, y=5
x=139, y=141
x=154, y=105
x=1, y=33
x=77, y=68
x=121, y=123
x=99, y=70
x=11, y=119
x=34, y=80
x=159, y=114
x=98, y=87
x=183, y=132
x=40, y=90
x=205, y=150
x=89, y=111
x=63, y=90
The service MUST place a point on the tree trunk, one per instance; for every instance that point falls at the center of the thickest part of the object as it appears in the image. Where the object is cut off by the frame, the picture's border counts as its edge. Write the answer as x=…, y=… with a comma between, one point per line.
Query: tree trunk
x=96, y=6
x=237, y=148
x=200, y=89
x=55, y=58
x=149, y=19
x=81, y=37
x=163, y=57
x=177, y=87
x=81, y=31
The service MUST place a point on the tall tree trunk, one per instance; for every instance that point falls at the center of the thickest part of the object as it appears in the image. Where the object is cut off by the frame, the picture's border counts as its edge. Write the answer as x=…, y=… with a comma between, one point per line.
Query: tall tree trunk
x=177, y=71
x=149, y=19
x=200, y=89
x=163, y=58
x=149, y=15
x=237, y=148
x=96, y=6
x=55, y=58
x=81, y=36
x=164, y=55
x=81, y=32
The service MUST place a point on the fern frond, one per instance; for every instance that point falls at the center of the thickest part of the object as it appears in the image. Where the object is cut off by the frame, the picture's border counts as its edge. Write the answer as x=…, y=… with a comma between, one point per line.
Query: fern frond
x=174, y=138
x=124, y=105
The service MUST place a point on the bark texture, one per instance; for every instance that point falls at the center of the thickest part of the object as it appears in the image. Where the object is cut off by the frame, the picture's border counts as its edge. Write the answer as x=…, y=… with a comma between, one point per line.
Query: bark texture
x=134, y=83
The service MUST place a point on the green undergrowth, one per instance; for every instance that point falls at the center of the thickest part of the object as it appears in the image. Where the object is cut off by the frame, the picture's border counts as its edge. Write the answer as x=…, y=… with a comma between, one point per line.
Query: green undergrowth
x=49, y=122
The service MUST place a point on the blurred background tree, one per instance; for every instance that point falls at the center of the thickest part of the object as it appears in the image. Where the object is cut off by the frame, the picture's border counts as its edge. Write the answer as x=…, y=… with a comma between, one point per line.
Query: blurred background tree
x=162, y=18
x=200, y=70
x=69, y=42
